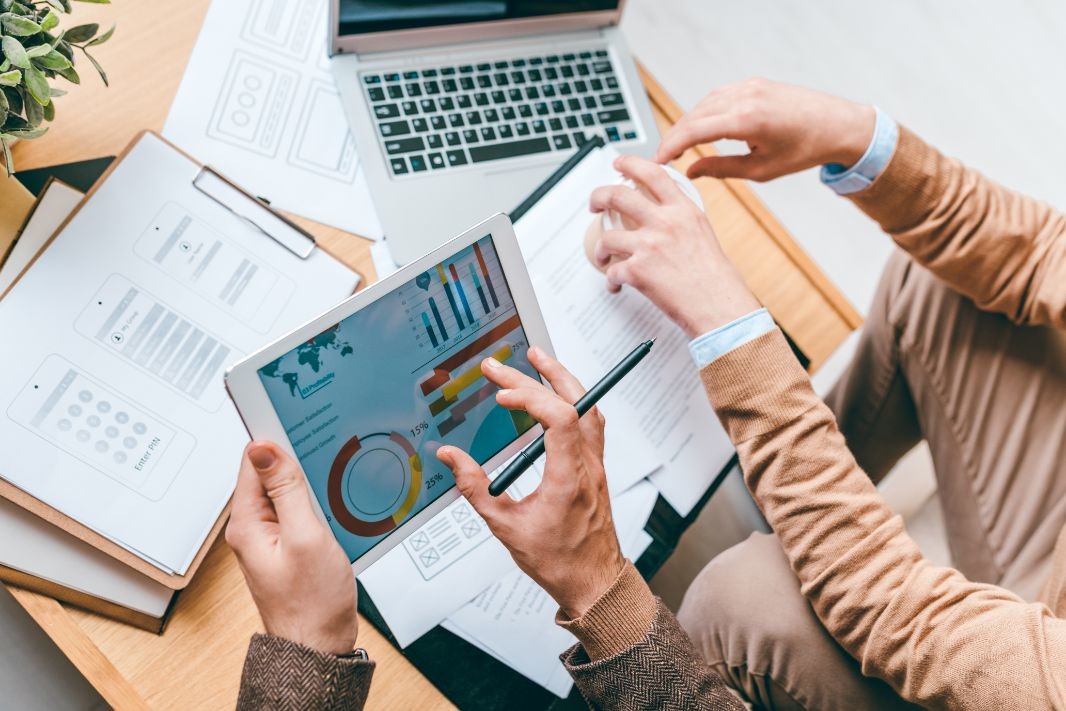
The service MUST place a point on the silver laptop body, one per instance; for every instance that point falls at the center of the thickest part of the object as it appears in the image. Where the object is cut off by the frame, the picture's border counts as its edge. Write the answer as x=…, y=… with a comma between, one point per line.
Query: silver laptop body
x=460, y=108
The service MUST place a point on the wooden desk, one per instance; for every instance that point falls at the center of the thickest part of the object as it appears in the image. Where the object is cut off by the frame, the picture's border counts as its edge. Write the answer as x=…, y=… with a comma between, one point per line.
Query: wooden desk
x=196, y=664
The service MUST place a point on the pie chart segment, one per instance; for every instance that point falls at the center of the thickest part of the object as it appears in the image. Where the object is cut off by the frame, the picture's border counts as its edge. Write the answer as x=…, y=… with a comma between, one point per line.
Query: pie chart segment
x=374, y=483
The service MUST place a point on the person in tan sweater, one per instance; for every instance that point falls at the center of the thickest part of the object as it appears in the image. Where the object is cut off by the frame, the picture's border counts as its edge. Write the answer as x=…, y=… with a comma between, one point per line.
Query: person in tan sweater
x=964, y=347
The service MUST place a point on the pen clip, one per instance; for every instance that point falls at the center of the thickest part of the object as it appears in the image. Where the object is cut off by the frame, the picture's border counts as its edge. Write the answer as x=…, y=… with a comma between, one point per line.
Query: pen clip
x=254, y=212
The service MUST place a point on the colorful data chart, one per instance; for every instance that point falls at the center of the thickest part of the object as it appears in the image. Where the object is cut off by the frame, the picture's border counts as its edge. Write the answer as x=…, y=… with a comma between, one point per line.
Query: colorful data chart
x=374, y=483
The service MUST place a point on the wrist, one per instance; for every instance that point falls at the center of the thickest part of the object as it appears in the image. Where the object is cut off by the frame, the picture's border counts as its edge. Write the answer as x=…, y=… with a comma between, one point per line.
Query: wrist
x=582, y=592
x=729, y=300
x=851, y=136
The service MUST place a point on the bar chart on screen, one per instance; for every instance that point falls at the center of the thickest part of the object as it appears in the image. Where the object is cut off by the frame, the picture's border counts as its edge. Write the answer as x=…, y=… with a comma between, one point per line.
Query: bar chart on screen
x=445, y=303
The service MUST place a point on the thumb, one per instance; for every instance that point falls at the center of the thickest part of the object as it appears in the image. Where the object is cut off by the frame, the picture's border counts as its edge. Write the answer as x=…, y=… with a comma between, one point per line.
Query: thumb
x=283, y=481
x=742, y=166
x=471, y=480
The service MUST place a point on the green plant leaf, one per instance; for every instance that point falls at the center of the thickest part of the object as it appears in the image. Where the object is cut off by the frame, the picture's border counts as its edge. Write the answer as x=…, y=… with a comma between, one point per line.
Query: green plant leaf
x=50, y=111
x=97, y=2
x=66, y=50
x=4, y=107
x=5, y=5
x=14, y=99
x=102, y=38
x=57, y=92
x=15, y=52
x=34, y=111
x=28, y=133
x=70, y=75
x=18, y=26
x=96, y=64
x=50, y=21
x=38, y=51
x=12, y=78
x=81, y=33
x=61, y=5
x=53, y=60
x=37, y=85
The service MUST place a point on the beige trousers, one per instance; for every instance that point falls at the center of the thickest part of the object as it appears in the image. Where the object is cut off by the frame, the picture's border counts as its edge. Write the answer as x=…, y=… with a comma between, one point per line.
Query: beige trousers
x=990, y=398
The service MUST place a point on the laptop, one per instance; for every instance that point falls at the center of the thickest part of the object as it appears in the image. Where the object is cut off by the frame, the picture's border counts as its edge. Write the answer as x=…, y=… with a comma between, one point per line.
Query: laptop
x=460, y=108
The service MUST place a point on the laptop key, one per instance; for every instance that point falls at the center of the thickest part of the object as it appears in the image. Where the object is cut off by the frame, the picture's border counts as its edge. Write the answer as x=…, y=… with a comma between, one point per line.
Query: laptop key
x=575, y=105
x=583, y=70
x=393, y=76
x=456, y=158
x=518, y=63
x=588, y=119
x=410, y=75
x=429, y=72
x=561, y=142
x=456, y=120
x=513, y=149
x=514, y=95
x=431, y=87
x=549, y=90
x=484, y=81
x=481, y=99
x=580, y=86
x=601, y=67
x=508, y=113
x=506, y=131
x=466, y=69
x=525, y=111
x=571, y=122
x=612, y=82
x=470, y=136
x=488, y=134
x=386, y=111
x=395, y=91
x=498, y=97
x=500, y=65
x=449, y=86
x=552, y=59
x=436, y=161
x=414, y=90
x=536, y=61
x=613, y=135
x=580, y=138
x=569, y=57
x=394, y=128
x=631, y=135
x=410, y=108
x=434, y=140
x=558, y=106
x=518, y=77
x=491, y=116
x=376, y=93
x=539, y=127
x=473, y=117
x=532, y=93
x=585, y=55
x=501, y=79
x=541, y=108
x=371, y=79
x=438, y=123
x=467, y=83
x=464, y=102
x=535, y=75
x=418, y=163
x=614, y=116
x=596, y=85
x=521, y=128
x=555, y=124
x=613, y=99
x=452, y=138
x=551, y=73
x=419, y=125
x=404, y=145
x=447, y=103
x=567, y=71
x=601, y=52
x=399, y=166
x=428, y=105
x=590, y=103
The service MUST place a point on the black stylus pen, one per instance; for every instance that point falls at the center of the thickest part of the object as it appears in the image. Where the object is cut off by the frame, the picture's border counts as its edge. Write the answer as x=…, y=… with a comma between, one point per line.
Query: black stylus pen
x=531, y=453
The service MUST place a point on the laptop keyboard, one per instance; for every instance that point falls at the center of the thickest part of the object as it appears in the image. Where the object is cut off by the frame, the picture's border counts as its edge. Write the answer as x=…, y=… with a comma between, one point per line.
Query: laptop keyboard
x=450, y=116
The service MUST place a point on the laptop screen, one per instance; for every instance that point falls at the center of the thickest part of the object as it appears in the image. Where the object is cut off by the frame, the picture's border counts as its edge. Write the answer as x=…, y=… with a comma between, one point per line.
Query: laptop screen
x=359, y=17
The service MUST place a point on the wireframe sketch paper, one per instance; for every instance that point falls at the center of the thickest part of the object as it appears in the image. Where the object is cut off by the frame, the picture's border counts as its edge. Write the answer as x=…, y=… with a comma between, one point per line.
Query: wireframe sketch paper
x=114, y=409
x=258, y=103
x=592, y=329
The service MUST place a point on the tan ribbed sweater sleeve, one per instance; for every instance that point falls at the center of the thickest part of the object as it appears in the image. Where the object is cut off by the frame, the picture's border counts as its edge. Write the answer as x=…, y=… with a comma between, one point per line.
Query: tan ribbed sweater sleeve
x=940, y=640
x=1004, y=250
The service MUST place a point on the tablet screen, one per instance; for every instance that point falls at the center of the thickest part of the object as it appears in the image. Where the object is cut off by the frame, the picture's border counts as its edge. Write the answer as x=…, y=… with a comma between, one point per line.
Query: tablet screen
x=367, y=402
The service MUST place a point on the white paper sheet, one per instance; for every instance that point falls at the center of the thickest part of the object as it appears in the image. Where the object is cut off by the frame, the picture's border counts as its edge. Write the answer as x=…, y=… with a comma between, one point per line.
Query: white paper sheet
x=663, y=398
x=514, y=619
x=116, y=409
x=258, y=103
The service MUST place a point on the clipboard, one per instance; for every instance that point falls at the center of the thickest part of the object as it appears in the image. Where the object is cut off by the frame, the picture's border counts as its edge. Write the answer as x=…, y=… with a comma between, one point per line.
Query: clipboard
x=248, y=209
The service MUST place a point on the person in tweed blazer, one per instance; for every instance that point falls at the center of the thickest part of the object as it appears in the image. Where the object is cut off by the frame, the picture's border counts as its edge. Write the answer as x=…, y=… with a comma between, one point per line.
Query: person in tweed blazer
x=839, y=609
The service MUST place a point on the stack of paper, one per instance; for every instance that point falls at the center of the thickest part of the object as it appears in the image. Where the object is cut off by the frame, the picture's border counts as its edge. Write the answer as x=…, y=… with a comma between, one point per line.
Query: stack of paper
x=662, y=438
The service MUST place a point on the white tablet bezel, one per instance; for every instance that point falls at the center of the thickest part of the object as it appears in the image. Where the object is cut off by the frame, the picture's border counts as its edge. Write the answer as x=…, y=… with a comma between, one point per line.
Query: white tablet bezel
x=262, y=422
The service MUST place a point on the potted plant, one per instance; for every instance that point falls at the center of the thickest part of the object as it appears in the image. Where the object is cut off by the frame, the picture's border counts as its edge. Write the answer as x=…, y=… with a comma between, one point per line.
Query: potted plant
x=34, y=51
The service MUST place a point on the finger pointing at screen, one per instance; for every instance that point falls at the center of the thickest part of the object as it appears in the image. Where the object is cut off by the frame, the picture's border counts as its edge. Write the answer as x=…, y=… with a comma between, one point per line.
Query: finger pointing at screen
x=562, y=535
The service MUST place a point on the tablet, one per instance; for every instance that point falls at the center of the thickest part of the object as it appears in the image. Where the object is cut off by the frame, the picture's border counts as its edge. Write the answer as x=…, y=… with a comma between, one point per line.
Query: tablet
x=363, y=395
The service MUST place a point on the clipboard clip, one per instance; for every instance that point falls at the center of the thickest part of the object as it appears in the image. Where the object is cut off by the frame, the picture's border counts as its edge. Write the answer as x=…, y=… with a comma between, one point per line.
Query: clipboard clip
x=254, y=212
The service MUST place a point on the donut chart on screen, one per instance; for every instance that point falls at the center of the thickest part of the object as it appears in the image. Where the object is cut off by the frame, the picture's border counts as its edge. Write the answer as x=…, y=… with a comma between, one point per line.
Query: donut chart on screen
x=374, y=483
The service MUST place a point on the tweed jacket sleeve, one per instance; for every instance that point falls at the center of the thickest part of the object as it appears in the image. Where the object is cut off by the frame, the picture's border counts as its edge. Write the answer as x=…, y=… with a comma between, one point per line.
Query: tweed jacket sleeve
x=633, y=655
x=280, y=675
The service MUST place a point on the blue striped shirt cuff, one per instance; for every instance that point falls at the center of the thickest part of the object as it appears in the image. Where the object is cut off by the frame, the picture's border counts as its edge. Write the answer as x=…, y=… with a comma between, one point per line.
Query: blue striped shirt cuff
x=715, y=344
x=844, y=180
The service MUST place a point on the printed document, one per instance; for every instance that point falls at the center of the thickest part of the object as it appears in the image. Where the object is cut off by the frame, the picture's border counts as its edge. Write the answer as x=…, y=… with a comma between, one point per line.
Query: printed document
x=114, y=409
x=258, y=103
x=593, y=329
